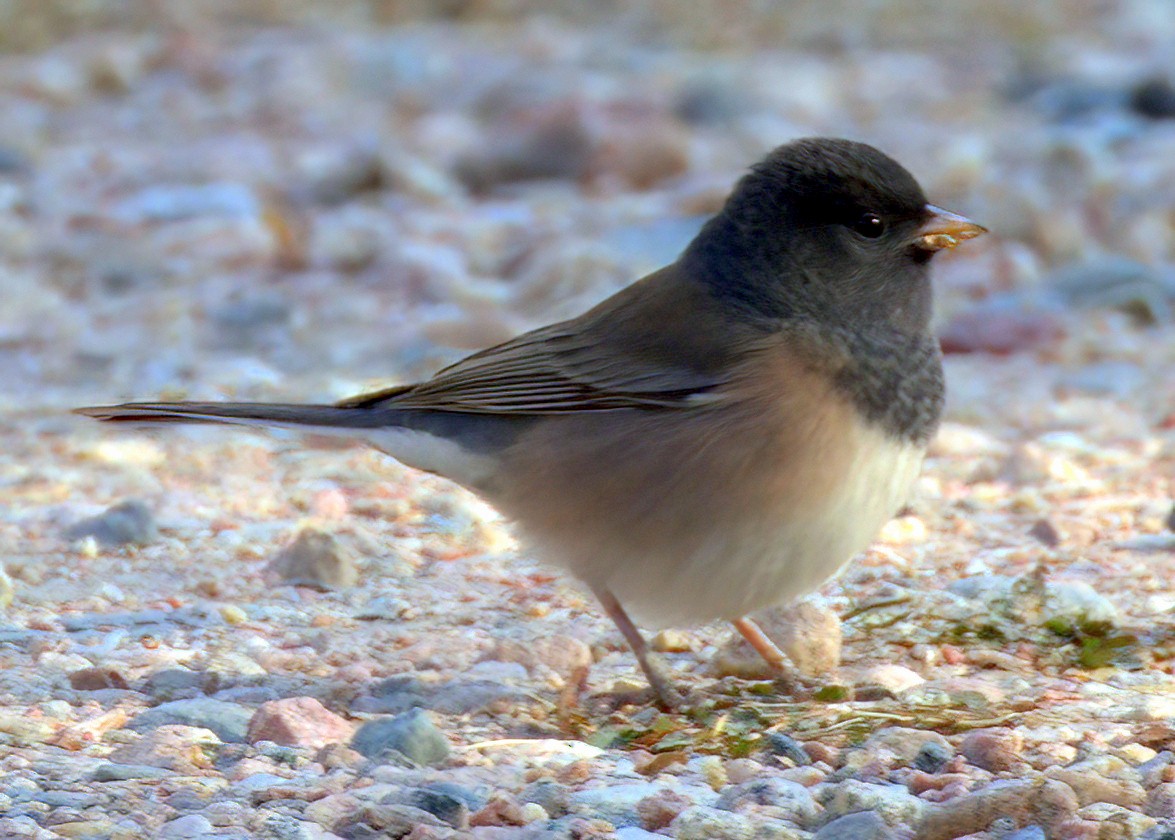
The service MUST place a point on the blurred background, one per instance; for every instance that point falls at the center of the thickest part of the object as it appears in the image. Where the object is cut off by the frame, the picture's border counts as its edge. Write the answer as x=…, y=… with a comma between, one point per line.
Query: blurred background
x=213, y=197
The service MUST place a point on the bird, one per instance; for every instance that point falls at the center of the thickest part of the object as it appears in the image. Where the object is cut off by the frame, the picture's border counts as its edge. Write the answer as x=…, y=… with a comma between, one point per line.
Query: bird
x=720, y=436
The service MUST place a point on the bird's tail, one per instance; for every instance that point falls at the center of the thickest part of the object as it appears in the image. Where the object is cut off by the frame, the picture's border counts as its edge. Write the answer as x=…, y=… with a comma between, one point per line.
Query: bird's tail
x=326, y=418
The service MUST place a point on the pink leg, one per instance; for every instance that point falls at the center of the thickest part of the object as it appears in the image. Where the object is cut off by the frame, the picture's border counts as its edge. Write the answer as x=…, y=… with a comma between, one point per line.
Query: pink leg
x=654, y=668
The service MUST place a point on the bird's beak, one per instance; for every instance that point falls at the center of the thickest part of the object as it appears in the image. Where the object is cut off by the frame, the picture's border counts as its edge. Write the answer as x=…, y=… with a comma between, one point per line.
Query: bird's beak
x=944, y=229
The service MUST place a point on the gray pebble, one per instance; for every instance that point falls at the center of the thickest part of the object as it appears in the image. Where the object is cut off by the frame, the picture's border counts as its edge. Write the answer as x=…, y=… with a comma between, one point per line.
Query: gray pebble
x=190, y=825
x=412, y=735
x=455, y=697
x=179, y=684
x=933, y=757
x=863, y=825
x=1114, y=283
x=127, y=772
x=230, y=721
x=555, y=798
x=785, y=746
x=473, y=800
x=315, y=559
x=1031, y=832
x=791, y=797
x=444, y=806
x=127, y=523
x=1154, y=98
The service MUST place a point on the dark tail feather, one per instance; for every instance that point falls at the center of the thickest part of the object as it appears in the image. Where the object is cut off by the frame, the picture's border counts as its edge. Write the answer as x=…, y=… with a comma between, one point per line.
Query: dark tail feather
x=242, y=414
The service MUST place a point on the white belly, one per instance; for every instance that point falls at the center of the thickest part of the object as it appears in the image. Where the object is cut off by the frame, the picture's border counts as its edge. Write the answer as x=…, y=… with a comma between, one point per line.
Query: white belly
x=740, y=567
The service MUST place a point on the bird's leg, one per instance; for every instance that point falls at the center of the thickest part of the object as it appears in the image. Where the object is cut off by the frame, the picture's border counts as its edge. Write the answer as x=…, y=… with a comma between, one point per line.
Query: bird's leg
x=763, y=645
x=656, y=672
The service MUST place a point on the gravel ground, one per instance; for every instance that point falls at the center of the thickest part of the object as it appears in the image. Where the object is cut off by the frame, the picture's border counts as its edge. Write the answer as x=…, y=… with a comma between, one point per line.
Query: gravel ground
x=207, y=633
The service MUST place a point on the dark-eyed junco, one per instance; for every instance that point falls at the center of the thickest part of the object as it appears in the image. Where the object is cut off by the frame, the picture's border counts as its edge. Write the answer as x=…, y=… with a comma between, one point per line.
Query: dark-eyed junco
x=720, y=436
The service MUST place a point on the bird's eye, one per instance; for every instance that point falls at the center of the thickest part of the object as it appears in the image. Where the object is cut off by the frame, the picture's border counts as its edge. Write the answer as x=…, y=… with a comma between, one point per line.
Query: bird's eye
x=870, y=225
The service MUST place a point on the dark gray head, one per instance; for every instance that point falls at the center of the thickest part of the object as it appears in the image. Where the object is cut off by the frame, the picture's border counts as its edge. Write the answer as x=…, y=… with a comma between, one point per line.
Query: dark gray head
x=831, y=230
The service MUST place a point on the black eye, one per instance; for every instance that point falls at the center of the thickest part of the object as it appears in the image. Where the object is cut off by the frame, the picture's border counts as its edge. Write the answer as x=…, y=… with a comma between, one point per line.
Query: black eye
x=870, y=225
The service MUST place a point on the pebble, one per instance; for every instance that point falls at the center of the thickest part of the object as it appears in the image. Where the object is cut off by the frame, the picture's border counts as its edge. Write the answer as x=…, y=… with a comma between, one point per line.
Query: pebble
x=411, y=734
x=1029, y=832
x=1154, y=98
x=659, y=810
x=789, y=800
x=785, y=746
x=112, y=772
x=298, y=722
x=699, y=822
x=862, y=825
x=97, y=678
x=1114, y=283
x=893, y=803
x=185, y=827
x=907, y=744
x=619, y=803
x=179, y=684
x=1045, y=802
x=933, y=757
x=555, y=798
x=315, y=559
x=230, y=721
x=126, y=523
x=454, y=697
x=185, y=749
x=994, y=750
x=563, y=654
x=1127, y=824
x=1000, y=329
x=808, y=631
x=1091, y=786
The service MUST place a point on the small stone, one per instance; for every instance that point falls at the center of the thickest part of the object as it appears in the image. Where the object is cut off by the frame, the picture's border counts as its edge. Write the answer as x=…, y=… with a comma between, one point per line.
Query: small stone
x=671, y=641
x=793, y=800
x=532, y=812
x=185, y=749
x=97, y=678
x=552, y=143
x=315, y=559
x=127, y=772
x=1127, y=824
x=889, y=678
x=554, y=798
x=127, y=523
x=808, y=631
x=82, y=830
x=298, y=722
x=1160, y=801
x=411, y=734
x=659, y=810
x=933, y=757
x=446, y=807
x=862, y=825
x=1154, y=98
x=230, y=721
x=179, y=684
x=564, y=655
x=455, y=697
x=785, y=746
x=1114, y=282
x=1029, y=832
x=185, y=827
x=1091, y=787
x=701, y=823
x=906, y=743
x=994, y=750
x=1046, y=533
x=998, y=329
x=1046, y=802
x=893, y=803
x=712, y=771
x=502, y=809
